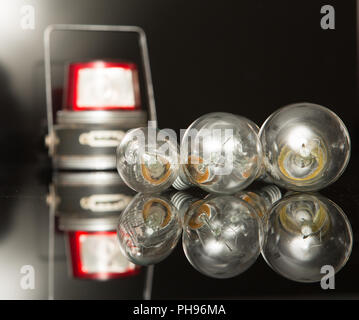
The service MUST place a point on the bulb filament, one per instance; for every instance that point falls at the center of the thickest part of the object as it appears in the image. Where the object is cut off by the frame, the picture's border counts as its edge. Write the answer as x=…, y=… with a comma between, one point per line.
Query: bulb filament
x=216, y=232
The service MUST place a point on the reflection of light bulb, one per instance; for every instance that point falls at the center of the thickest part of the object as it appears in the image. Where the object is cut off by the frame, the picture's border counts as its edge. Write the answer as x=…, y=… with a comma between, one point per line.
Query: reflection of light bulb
x=306, y=147
x=182, y=201
x=220, y=153
x=261, y=200
x=148, y=160
x=304, y=233
x=222, y=236
x=149, y=229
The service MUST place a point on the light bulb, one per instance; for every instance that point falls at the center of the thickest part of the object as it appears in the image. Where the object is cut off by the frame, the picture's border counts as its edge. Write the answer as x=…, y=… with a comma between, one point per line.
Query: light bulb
x=306, y=147
x=149, y=229
x=262, y=199
x=147, y=159
x=304, y=233
x=220, y=153
x=222, y=236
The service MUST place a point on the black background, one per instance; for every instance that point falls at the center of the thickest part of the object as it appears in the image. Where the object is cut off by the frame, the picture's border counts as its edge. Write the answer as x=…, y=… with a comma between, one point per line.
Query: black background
x=246, y=57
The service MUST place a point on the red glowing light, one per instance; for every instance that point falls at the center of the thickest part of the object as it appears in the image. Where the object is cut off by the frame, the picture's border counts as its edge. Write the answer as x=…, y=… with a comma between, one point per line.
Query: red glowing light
x=85, y=264
x=100, y=85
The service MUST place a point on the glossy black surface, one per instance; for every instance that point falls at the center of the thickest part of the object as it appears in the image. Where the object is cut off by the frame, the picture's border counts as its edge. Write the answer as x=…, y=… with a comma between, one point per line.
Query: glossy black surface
x=24, y=237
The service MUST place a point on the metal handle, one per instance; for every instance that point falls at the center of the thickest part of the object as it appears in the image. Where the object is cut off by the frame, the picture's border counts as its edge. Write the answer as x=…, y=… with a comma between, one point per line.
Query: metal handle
x=99, y=28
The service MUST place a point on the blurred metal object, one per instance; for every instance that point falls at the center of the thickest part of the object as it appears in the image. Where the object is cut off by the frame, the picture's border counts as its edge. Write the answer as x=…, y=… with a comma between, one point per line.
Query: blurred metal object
x=83, y=197
x=87, y=206
x=87, y=140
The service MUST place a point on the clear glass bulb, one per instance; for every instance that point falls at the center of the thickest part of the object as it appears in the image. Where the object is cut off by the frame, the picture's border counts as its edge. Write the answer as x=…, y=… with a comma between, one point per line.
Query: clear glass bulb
x=305, y=232
x=149, y=229
x=220, y=153
x=222, y=236
x=306, y=147
x=147, y=160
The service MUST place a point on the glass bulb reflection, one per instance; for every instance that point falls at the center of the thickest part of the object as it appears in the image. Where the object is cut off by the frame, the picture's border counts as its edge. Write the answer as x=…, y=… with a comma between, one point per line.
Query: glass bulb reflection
x=261, y=200
x=222, y=236
x=147, y=160
x=306, y=147
x=149, y=229
x=220, y=153
x=304, y=233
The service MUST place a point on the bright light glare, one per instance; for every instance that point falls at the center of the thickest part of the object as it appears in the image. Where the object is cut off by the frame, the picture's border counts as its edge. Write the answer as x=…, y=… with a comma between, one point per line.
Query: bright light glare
x=299, y=137
x=98, y=87
x=214, y=247
x=303, y=249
